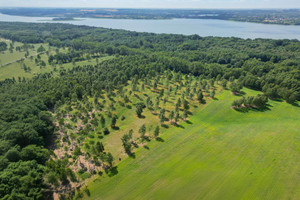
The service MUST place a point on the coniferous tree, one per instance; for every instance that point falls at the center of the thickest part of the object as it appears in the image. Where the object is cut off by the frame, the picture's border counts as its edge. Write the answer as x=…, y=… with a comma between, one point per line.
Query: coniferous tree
x=186, y=105
x=113, y=121
x=171, y=115
x=185, y=114
x=162, y=115
x=176, y=117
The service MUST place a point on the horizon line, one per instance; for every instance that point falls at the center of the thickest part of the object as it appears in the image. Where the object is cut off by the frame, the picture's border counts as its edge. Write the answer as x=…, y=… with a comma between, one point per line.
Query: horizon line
x=187, y=8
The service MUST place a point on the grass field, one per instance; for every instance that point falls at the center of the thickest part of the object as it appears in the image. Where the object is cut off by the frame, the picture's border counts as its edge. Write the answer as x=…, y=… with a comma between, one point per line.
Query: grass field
x=218, y=154
x=7, y=57
x=9, y=67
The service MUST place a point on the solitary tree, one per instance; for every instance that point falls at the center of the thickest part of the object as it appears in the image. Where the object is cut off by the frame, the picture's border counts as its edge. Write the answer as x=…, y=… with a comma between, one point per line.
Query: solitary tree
x=186, y=105
x=102, y=121
x=142, y=131
x=154, y=85
x=162, y=115
x=113, y=122
x=99, y=147
x=110, y=159
x=200, y=96
x=171, y=115
x=212, y=94
x=126, y=99
x=157, y=104
x=184, y=114
x=149, y=103
x=176, y=117
x=106, y=131
x=126, y=142
x=139, y=109
x=41, y=49
x=207, y=88
x=161, y=93
x=156, y=131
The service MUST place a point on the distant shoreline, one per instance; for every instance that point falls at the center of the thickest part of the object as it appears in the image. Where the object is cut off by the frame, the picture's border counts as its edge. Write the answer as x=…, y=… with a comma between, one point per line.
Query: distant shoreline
x=59, y=20
x=267, y=16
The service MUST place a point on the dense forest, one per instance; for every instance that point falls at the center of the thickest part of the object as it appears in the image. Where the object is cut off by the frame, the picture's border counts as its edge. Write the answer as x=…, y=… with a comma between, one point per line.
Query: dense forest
x=27, y=106
x=268, y=65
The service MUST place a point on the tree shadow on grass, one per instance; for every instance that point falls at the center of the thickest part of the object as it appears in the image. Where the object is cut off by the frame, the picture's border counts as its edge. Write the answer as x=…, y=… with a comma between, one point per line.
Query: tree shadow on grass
x=146, y=147
x=129, y=106
x=150, y=108
x=179, y=126
x=135, y=144
x=260, y=109
x=138, y=97
x=159, y=139
x=241, y=93
x=188, y=122
x=113, y=171
x=242, y=110
x=165, y=125
x=116, y=128
x=111, y=99
x=189, y=113
x=296, y=104
x=131, y=155
x=147, y=138
x=142, y=117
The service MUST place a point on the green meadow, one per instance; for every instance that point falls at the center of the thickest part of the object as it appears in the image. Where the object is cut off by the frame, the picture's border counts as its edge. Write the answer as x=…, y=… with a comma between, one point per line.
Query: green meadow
x=11, y=66
x=218, y=153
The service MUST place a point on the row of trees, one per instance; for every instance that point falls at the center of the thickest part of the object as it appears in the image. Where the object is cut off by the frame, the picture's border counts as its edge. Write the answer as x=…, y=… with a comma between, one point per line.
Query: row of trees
x=251, y=101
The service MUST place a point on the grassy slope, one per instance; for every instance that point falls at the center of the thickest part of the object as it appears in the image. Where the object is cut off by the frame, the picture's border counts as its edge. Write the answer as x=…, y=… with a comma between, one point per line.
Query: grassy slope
x=223, y=154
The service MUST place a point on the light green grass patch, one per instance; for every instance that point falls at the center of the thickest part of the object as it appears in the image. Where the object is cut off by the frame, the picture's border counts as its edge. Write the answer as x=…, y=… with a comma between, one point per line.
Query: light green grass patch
x=220, y=154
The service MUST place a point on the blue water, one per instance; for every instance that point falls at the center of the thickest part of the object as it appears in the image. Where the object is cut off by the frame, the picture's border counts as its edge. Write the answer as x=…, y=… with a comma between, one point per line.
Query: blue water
x=202, y=27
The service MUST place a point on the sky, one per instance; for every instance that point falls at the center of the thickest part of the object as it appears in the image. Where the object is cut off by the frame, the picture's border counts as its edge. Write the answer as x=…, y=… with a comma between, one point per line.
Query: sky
x=154, y=3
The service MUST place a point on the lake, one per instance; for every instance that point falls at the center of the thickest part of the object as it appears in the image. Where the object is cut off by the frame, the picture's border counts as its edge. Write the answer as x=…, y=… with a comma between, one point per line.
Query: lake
x=202, y=27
